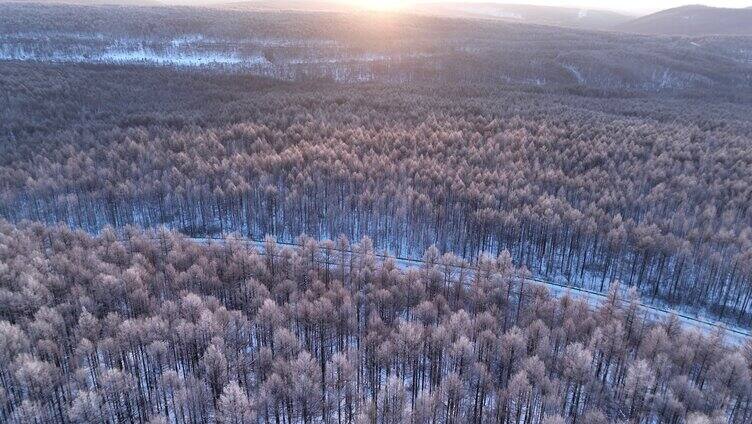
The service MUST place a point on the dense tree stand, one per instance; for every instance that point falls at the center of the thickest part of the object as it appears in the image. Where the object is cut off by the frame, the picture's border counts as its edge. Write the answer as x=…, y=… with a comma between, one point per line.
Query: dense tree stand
x=160, y=329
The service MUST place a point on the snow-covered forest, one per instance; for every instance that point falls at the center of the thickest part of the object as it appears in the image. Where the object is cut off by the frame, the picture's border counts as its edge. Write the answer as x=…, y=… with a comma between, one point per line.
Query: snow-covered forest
x=579, y=189
x=490, y=154
x=155, y=328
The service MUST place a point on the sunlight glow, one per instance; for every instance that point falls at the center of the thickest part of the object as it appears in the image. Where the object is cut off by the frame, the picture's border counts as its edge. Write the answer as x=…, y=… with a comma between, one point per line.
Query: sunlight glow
x=385, y=5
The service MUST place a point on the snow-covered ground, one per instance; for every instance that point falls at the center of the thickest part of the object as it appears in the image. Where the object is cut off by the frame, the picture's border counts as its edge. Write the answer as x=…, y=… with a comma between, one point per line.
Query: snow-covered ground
x=176, y=54
x=733, y=335
x=177, y=59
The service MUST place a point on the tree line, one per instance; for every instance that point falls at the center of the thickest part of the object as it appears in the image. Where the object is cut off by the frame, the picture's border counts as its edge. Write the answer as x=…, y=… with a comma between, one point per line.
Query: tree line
x=150, y=327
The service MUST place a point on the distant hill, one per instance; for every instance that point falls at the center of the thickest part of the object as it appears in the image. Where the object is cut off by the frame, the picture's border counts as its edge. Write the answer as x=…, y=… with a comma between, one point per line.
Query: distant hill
x=694, y=20
x=543, y=15
x=92, y=2
x=296, y=5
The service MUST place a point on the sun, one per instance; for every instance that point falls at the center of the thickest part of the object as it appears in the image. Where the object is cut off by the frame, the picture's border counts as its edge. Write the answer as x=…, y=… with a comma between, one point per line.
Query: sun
x=384, y=5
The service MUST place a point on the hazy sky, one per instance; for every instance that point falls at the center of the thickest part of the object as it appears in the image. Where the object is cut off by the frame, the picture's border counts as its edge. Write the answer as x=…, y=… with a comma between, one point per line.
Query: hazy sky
x=634, y=5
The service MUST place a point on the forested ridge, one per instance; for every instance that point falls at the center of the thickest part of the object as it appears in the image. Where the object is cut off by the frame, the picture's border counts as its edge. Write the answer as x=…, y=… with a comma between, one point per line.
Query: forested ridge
x=586, y=189
x=384, y=47
x=151, y=327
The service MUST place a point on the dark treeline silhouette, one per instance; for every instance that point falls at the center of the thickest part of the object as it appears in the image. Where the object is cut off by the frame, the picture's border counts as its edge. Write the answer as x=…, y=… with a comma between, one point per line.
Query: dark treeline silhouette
x=586, y=189
x=156, y=328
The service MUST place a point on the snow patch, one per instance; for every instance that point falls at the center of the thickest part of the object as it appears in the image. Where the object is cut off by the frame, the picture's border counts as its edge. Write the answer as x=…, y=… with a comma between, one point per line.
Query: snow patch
x=576, y=73
x=493, y=11
x=177, y=59
x=186, y=39
x=146, y=56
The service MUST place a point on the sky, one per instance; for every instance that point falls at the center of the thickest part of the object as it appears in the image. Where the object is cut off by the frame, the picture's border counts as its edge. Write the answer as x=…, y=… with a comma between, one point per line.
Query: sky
x=623, y=5
x=635, y=7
